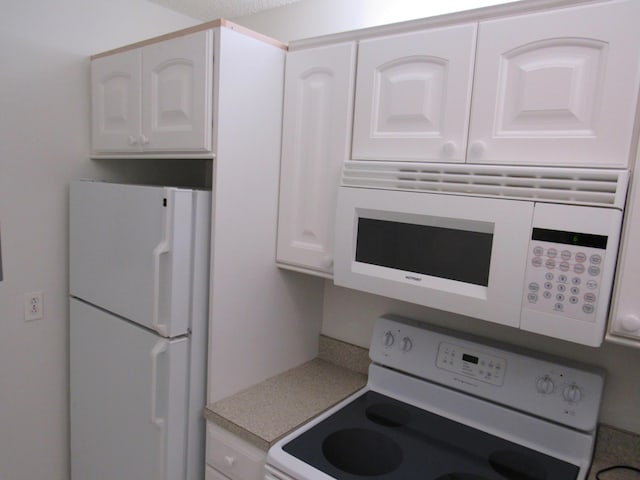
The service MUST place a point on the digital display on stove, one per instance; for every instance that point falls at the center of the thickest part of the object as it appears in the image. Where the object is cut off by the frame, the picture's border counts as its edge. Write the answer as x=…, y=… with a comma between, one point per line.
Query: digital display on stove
x=469, y=358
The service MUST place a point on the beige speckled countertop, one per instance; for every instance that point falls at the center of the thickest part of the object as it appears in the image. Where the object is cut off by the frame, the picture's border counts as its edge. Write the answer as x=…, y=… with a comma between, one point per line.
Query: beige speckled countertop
x=268, y=411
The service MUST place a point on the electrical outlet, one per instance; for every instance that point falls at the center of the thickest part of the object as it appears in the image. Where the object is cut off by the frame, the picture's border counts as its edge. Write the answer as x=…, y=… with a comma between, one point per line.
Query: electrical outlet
x=32, y=306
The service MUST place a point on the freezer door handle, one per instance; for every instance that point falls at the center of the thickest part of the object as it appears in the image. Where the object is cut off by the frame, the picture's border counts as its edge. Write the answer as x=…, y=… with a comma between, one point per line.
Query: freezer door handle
x=163, y=248
x=158, y=349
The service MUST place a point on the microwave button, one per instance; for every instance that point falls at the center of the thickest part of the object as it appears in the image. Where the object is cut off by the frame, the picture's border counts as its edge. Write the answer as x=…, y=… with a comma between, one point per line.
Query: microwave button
x=578, y=268
x=581, y=257
x=594, y=271
x=590, y=297
x=548, y=276
x=536, y=262
x=548, y=285
x=564, y=266
x=560, y=297
x=592, y=284
x=538, y=251
x=576, y=280
x=552, y=253
x=547, y=294
x=558, y=307
x=595, y=259
x=550, y=263
x=565, y=255
x=532, y=298
x=573, y=300
x=534, y=286
x=561, y=287
x=575, y=290
x=588, y=308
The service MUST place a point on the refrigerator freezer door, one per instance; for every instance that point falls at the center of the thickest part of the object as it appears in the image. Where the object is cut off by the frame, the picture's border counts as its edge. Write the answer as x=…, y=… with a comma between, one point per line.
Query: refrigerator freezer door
x=128, y=399
x=132, y=252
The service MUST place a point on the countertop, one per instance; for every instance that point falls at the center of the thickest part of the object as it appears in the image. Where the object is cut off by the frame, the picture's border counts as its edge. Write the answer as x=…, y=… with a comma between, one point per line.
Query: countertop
x=270, y=410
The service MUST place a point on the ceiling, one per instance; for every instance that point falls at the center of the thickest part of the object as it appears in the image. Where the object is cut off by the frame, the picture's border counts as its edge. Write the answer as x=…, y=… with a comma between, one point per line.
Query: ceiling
x=206, y=10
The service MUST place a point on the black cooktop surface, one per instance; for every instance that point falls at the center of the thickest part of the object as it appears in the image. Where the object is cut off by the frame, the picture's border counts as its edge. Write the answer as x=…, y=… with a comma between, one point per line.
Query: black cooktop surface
x=379, y=437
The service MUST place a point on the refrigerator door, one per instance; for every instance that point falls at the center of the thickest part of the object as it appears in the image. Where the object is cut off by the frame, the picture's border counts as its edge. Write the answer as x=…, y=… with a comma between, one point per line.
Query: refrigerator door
x=132, y=252
x=128, y=399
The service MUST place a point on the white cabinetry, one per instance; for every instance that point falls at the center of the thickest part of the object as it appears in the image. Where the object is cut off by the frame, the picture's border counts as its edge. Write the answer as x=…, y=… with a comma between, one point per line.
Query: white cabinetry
x=557, y=88
x=413, y=94
x=316, y=139
x=230, y=457
x=154, y=99
x=624, y=322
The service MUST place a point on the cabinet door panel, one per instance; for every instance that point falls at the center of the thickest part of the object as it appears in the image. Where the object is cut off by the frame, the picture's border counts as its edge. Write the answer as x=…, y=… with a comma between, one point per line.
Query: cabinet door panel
x=115, y=102
x=413, y=94
x=317, y=120
x=556, y=88
x=177, y=85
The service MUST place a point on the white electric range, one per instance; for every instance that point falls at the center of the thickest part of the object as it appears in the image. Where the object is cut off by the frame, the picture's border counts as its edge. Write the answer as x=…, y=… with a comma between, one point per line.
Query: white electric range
x=440, y=405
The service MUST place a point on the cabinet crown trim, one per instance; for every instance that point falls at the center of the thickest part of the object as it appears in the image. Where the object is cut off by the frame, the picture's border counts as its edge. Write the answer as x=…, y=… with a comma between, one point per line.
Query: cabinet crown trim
x=221, y=22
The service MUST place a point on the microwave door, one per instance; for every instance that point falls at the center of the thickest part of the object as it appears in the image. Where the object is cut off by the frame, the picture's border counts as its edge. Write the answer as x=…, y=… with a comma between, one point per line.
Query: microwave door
x=455, y=253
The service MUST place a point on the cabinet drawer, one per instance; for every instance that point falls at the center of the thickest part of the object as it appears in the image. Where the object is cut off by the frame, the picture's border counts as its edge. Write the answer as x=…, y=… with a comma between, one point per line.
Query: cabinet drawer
x=232, y=456
x=213, y=474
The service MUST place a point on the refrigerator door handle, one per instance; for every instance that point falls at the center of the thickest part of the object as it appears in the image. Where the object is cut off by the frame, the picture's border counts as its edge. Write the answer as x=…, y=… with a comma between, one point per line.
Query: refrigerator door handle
x=159, y=348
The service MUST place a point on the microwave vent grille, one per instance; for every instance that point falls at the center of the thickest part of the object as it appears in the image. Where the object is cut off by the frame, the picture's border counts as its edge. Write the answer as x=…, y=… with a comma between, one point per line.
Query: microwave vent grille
x=605, y=188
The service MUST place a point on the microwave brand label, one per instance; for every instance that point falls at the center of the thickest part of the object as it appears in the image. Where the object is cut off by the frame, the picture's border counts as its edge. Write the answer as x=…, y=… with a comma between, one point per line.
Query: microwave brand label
x=409, y=277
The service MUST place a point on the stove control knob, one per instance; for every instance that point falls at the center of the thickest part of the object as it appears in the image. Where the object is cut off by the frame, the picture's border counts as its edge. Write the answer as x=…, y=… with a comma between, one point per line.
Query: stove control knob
x=572, y=393
x=407, y=344
x=545, y=385
x=388, y=339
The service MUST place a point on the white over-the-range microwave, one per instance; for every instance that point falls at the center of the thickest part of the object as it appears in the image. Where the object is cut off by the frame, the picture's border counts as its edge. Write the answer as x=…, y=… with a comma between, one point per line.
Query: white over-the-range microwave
x=529, y=247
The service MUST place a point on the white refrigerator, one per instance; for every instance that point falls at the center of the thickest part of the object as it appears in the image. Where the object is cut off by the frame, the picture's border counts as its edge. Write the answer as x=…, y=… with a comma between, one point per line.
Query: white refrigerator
x=139, y=268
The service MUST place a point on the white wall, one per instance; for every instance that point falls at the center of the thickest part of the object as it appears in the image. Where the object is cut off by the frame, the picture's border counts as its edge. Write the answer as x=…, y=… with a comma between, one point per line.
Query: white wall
x=349, y=315
x=310, y=18
x=44, y=143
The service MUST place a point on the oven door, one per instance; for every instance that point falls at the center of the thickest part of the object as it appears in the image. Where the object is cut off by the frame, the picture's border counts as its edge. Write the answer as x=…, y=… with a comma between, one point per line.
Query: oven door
x=456, y=253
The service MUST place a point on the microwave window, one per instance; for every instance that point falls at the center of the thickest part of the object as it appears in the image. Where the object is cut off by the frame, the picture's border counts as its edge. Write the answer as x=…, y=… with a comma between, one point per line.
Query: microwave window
x=448, y=253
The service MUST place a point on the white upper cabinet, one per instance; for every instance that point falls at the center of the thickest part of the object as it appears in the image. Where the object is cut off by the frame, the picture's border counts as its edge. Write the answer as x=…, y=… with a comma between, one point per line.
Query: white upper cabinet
x=557, y=88
x=154, y=99
x=624, y=321
x=115, y=91
x=315, y=143
x=412, y=95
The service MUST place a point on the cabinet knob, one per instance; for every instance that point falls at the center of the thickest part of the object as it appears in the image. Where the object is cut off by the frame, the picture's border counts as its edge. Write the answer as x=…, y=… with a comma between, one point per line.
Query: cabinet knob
x=630, y=323
x=449, y=149
x=477, y=149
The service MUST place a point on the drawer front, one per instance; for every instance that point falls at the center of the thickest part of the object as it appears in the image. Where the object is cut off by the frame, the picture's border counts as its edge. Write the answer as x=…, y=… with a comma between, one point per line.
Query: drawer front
x=211, y=473
x=233, y=456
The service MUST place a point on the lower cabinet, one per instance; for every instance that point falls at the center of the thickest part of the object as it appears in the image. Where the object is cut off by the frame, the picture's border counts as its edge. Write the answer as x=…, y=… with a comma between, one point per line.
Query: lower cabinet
x=230, y=457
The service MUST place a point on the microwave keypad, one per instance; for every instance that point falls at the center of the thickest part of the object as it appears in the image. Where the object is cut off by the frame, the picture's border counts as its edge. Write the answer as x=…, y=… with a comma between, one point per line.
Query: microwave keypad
x=563, y=279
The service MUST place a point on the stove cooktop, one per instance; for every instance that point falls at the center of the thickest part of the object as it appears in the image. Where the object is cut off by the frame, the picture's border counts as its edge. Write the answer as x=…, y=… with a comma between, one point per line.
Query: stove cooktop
x=380, y=437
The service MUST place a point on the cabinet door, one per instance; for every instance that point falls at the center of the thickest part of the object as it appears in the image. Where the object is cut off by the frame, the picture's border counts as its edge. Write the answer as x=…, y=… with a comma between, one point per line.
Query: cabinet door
x=413, y=94
x=557, y=88
x=115, y=102
x=317, y=121
x=177, y=94
x=624, y=323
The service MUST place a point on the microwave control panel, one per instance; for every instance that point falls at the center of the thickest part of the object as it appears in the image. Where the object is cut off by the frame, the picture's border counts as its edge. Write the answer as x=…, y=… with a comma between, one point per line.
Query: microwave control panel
x=571, y=258
x=564, y=273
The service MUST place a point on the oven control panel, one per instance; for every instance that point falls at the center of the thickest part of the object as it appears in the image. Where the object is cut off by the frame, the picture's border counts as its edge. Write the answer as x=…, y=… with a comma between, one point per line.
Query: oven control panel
x=557, y=389
x=471, y=363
